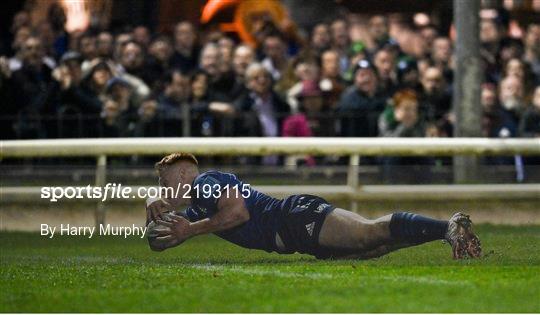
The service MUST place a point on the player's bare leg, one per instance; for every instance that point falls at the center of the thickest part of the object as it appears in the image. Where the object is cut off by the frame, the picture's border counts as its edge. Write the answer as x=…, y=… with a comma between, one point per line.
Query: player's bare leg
x=362, y=238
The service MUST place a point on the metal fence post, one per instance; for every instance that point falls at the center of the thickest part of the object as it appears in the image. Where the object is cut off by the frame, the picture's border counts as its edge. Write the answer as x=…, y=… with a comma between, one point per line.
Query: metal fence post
x=352, y=178
x=101, y=177
x=186, y=119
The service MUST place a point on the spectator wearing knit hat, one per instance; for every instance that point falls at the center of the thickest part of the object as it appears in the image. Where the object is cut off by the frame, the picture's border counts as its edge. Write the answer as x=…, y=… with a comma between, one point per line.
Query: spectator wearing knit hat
x=361, y=104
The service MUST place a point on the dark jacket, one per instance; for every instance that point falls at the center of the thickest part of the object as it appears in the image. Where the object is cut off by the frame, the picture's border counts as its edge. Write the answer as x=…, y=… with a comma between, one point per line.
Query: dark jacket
x=529, y=126
x=186, y=64
x=247, y=123
x=359, y=113
x=34, y=94
x=498, y=123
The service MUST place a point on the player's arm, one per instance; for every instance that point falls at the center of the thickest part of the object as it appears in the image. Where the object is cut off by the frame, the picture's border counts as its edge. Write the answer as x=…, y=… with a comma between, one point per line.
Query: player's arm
x=232, y=212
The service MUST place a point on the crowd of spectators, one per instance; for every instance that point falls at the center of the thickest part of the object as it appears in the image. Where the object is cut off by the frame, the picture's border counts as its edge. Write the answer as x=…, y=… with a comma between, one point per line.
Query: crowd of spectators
x=328, y=83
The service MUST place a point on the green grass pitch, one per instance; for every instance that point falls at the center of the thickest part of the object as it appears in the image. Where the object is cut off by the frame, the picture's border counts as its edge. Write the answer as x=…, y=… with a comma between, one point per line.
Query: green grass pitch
x=206, y=274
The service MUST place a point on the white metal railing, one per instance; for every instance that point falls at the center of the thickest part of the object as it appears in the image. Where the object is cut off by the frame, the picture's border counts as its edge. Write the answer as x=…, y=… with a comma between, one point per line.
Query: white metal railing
x=352, y=147
x=263, y=146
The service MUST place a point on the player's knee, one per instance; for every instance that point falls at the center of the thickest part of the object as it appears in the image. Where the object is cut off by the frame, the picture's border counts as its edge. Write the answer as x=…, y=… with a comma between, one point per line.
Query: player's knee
x=370, y=234
x=360, y=240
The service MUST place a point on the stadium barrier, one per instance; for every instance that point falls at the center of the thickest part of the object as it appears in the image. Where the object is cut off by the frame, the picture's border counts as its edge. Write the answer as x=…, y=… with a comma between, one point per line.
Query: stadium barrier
x=352, y=147
x=262, y=146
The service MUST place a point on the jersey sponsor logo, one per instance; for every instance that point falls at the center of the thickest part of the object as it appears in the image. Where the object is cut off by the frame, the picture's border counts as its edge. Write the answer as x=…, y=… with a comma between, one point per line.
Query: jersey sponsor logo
x=201, y=211
x=309, y=228
x=321, y=207
x=305, y=205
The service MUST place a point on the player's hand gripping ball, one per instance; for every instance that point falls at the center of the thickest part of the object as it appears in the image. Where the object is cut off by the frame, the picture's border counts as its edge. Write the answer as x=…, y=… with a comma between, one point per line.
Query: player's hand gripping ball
x=155, y=230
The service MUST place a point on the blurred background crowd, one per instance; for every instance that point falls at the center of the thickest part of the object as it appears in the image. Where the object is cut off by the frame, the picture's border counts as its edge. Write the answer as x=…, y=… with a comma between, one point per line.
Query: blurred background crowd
x=345, y=75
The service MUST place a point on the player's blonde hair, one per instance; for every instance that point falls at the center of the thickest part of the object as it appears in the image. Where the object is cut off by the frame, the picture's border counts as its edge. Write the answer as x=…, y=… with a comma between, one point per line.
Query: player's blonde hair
x=174, y=158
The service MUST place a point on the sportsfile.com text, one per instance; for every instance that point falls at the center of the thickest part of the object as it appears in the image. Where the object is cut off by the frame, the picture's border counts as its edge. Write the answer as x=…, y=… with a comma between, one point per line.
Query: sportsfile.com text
x=119, y=191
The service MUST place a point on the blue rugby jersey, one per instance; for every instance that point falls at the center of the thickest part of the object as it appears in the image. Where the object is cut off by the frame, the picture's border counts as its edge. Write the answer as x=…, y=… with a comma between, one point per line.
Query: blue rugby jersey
x=266, y=213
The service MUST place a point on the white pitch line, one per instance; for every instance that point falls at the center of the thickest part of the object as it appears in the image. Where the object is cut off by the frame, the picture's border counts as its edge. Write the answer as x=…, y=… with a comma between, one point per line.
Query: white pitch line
x=424, y=280
x=276, y=273
x=72, y=259
x=318, y=275
x=251, y=271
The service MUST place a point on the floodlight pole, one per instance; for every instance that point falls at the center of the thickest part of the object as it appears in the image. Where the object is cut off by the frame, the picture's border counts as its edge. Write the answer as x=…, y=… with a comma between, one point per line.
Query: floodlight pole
x=467, y=79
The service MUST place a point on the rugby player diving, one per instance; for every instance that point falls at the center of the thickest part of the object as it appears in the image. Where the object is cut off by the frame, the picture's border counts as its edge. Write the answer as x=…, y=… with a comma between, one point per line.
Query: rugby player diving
x=220, y=203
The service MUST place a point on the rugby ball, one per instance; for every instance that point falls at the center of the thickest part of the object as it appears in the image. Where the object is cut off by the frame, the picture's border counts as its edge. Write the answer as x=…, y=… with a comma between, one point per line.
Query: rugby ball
x=154, y=228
